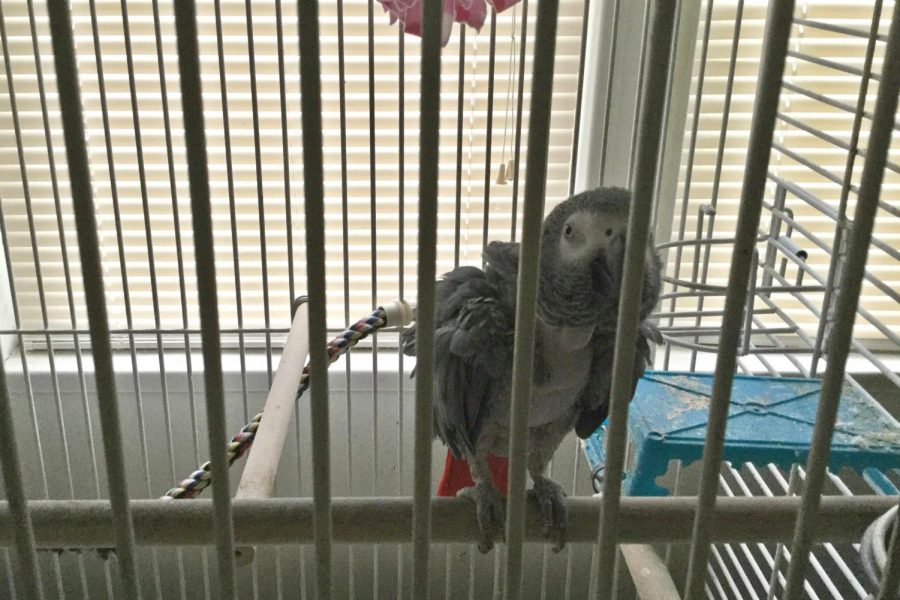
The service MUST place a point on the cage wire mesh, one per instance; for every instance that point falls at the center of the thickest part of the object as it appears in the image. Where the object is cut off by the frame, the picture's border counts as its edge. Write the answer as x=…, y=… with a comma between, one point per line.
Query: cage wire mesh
x=249, y=75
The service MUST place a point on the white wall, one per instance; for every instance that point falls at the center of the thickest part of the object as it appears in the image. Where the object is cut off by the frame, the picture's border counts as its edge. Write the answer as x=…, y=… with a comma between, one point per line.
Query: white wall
x=355, y=437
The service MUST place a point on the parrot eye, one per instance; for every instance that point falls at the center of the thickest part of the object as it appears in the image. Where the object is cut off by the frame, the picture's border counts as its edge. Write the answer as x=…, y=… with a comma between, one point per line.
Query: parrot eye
x=608, y=232
x=567, y=231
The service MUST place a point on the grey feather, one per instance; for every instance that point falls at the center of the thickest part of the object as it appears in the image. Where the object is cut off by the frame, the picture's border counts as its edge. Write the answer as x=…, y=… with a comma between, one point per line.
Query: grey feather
x=473, y=345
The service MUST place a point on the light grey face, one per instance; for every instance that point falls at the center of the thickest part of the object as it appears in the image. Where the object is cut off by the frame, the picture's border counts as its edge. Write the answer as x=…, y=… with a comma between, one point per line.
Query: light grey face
x=588, y=236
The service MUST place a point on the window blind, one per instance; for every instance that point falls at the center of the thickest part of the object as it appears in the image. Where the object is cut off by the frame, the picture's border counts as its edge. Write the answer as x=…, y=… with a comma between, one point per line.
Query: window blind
x=811, y=152
x=258, y=201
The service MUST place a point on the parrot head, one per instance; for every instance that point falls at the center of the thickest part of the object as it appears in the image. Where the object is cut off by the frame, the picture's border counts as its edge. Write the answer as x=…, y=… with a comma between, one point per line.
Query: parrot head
x=582, y=255
x=585, y=234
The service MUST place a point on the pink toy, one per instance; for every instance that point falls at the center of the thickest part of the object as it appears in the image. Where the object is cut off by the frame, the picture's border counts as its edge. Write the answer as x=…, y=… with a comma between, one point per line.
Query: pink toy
x=469, y=12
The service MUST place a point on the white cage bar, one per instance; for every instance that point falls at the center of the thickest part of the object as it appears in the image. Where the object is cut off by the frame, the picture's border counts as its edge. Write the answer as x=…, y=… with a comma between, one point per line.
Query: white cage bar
x=649, y=136
x=778, y=24
x=195, y=137
x=847, y=303
x=80, y=178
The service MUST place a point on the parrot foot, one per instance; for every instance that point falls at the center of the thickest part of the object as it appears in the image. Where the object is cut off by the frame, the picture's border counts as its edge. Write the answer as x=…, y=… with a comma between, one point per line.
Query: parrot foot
x=551, y=501
x=490, y=510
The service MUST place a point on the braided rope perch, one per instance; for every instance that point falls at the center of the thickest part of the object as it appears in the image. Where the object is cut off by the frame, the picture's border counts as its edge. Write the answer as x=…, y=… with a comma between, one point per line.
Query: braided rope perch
x=196, y=482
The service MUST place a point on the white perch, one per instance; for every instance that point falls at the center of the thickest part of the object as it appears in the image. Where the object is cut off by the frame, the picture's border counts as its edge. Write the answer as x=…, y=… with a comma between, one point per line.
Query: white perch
x=258, y=478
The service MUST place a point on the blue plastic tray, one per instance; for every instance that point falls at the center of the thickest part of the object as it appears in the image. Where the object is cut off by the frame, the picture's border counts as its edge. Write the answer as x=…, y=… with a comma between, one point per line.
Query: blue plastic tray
x=770, y=420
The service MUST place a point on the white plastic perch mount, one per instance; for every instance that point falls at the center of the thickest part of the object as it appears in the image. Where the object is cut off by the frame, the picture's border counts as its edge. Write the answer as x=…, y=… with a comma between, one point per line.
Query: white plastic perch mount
x=398, y=313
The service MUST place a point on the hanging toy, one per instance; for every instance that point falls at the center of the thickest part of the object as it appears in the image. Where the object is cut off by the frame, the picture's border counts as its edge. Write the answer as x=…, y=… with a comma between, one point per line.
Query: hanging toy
x=468, y=12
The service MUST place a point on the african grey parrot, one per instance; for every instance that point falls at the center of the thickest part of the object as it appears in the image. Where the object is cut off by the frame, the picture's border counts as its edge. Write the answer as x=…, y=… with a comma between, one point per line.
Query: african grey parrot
x=581, y=261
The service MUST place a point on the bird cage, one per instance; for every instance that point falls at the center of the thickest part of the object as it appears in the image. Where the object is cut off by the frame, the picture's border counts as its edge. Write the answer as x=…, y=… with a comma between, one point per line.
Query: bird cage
x=199, y=195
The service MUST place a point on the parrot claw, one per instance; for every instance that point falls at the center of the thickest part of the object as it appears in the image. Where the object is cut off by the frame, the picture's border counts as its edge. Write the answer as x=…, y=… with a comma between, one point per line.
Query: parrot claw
x=490, y=510
x=551, y=502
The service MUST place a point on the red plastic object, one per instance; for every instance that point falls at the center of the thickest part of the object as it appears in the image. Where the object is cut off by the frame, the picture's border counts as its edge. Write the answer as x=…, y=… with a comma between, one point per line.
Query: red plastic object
x=456, y=474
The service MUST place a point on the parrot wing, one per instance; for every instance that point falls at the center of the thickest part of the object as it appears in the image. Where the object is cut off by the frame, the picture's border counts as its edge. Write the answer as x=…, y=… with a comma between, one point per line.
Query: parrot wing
x=595, y=398
x=474, y=330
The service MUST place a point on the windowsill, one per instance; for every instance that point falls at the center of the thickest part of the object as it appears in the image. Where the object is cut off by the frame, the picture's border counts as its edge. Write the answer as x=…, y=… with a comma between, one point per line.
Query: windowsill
x=255, y=366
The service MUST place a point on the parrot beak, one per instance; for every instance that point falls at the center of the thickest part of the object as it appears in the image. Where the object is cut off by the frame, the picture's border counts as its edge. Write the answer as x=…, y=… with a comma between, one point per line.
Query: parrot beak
x=602, y=272
x=607, y=266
